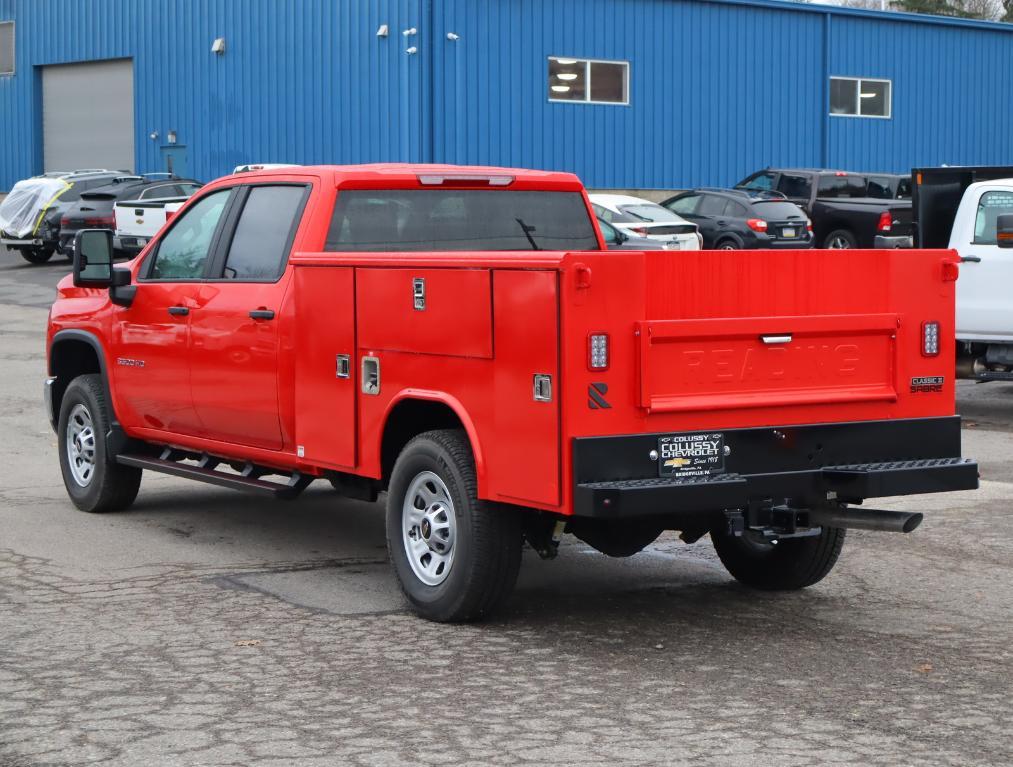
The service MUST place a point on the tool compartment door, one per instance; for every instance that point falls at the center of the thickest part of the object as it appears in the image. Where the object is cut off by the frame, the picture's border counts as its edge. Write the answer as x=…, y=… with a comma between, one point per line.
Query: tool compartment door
x=325, y=400
x=523, y=451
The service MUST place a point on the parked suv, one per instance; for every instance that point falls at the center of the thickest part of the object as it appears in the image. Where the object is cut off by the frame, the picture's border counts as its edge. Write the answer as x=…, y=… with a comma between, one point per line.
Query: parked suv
x=845, y=214
x=731, y=219
x=41, y=238
x=95, y=209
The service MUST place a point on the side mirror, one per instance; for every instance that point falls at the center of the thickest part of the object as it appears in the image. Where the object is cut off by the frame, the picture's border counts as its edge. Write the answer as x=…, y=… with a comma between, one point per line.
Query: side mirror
x=1004, y=230
x=93, y=258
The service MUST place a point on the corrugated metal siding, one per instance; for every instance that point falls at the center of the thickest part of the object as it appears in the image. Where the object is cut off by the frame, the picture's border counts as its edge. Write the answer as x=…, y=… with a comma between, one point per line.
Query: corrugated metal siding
x=952, y=95
x=718, y=89
x=307, y=81
x=707, y=102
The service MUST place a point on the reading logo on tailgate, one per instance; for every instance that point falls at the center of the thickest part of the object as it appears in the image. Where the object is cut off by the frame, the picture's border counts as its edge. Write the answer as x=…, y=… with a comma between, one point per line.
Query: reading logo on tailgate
x=691, y=455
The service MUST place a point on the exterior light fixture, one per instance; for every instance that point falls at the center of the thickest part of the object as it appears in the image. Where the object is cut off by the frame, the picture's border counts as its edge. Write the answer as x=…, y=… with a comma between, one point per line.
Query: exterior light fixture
x=218, y=46
x=566, y=62
x=383, y=31
x=170, y=137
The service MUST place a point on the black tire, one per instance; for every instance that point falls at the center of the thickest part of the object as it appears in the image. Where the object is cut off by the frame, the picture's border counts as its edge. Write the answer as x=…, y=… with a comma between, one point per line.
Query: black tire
x=487, y=540
x=788, y=565
x=110, y=486
x=840, y=239
x=37, y=255
x=727, y=244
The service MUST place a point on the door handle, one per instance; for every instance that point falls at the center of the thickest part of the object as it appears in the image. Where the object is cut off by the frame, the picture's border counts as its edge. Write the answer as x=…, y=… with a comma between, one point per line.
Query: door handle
x=774, y=340
x=262, y=314
x=178, y=311
x=972, y=259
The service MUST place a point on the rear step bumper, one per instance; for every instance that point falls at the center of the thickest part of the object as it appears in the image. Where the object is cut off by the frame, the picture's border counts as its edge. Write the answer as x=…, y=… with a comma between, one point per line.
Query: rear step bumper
x=809, y=464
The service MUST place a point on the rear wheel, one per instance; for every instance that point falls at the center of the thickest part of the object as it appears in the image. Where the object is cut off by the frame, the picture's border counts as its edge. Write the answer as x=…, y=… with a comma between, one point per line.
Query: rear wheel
x=782, y=565
x=94, y=481
x=728, y=245
x=38, y=255
x=840, y=239
x=455, y=556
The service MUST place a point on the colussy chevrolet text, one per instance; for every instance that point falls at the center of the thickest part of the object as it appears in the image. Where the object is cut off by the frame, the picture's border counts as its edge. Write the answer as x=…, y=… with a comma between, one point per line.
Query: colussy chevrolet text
x=460, y=338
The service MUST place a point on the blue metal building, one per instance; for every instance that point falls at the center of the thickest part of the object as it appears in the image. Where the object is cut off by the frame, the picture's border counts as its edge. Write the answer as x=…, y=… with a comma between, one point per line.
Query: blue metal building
x=711, y=90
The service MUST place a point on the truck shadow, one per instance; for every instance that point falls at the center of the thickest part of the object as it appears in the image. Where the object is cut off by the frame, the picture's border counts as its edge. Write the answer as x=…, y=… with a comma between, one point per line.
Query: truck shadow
x=328, y=554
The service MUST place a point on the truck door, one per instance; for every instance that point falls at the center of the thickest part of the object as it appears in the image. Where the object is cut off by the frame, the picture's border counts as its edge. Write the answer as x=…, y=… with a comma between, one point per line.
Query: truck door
x=984, y=308
x=150, y=365
x=234, y=334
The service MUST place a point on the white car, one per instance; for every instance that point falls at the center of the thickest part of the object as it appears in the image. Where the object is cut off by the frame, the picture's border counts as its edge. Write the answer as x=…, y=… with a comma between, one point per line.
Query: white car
x=637, y=217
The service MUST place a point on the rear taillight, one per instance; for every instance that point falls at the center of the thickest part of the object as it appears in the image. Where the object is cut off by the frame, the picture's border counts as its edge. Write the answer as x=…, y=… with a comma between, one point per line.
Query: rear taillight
x=100, y=222
x=809, y=225
x=641, y=230
x=930, y=339
x=757, y=224
x=598, y=351
x=169, y=214
x=885, y=222
x=65, y=222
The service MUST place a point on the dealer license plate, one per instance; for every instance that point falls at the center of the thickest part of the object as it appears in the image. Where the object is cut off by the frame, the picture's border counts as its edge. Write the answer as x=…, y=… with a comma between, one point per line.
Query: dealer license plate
x=691, y=455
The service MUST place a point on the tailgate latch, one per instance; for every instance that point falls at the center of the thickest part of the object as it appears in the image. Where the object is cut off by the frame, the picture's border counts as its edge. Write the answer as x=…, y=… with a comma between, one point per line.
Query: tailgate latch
x=543, y=388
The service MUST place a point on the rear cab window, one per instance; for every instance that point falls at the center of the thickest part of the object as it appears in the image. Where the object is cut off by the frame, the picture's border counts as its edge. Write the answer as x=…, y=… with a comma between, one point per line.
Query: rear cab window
x=403, y=220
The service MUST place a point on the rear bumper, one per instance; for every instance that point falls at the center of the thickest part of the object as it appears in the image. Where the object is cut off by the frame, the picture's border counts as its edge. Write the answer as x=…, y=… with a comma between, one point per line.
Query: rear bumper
x=10, y=242
x=616, y=477
x=885, y=242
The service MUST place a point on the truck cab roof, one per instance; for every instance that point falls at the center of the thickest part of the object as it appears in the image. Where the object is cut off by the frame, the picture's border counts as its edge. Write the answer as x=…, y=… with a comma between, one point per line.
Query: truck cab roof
x=415, y=175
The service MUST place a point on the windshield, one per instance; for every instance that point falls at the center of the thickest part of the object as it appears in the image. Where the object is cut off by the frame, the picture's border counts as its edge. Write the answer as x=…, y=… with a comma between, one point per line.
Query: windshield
x=456, y=219
x=650, y=212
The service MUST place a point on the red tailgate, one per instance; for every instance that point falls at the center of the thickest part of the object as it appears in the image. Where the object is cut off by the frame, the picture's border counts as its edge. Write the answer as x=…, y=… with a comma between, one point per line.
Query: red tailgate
x=724, y=364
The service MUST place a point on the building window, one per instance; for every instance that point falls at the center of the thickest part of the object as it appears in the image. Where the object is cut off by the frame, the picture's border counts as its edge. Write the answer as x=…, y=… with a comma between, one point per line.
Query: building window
x=589, y=82
x=854, y=97
x=6, y=47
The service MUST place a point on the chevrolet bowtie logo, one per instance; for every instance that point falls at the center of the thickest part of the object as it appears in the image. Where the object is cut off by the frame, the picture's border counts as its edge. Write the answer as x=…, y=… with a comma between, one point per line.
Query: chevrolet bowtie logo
x=676, y=463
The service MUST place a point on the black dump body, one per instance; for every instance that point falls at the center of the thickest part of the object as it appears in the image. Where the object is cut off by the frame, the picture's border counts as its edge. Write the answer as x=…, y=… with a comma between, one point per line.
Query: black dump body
x=936, y=195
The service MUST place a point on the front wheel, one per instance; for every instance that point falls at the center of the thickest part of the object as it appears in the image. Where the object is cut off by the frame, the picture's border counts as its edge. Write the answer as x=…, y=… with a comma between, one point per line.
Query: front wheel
x=455, y=556
x=94, y=481
x=38, y=255
x=786, y=564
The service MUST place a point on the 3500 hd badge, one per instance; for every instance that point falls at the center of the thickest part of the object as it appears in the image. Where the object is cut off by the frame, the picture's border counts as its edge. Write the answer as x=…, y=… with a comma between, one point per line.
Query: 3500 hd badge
x=691, y=455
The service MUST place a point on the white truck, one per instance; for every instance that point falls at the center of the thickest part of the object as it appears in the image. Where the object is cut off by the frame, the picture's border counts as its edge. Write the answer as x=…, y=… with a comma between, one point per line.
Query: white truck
x=137, y=221
x=970, y=210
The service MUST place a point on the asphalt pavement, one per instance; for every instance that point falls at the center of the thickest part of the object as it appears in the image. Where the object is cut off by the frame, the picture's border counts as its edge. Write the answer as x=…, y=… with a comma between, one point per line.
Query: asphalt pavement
x=206, y=627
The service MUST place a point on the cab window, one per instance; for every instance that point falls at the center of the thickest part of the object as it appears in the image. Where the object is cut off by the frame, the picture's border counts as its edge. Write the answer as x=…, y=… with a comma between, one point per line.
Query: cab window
x=183, y=251
x=990, y=207
x=762, y=181
x=263, y=235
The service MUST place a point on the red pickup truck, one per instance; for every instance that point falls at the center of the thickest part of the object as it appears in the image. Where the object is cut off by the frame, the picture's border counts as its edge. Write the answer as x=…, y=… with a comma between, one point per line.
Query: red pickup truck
x=460, y=338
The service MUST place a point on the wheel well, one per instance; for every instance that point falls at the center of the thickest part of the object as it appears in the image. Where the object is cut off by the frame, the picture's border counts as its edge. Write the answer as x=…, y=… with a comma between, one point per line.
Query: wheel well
x=409, y=418
x=67, y=360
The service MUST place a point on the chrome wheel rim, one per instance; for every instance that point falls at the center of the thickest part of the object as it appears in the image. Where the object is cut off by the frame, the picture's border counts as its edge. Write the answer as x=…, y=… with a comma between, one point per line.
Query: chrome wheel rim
x=81, y=445
x=727, y=246
x=839, y=243
x=429, y=528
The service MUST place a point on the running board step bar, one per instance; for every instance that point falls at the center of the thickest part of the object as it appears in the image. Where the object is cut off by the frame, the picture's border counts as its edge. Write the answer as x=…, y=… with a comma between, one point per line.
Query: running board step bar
x=206, y=470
